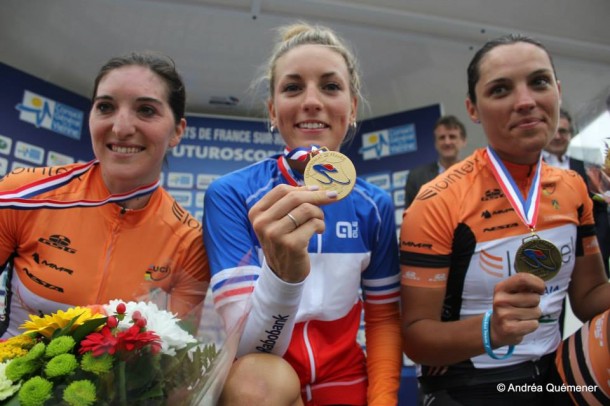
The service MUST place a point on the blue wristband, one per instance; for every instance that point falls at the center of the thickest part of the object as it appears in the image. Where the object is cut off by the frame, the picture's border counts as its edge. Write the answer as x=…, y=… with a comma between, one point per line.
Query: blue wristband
x=487, y=339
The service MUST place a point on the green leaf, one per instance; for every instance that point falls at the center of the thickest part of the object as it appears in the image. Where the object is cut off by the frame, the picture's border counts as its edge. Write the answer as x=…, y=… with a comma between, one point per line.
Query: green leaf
x=87, y=328
x=66, y=330
x=14, y=401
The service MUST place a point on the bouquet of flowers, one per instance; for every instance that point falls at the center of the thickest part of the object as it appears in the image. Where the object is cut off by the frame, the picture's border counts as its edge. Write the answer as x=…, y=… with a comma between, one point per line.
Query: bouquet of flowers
x=116, y=354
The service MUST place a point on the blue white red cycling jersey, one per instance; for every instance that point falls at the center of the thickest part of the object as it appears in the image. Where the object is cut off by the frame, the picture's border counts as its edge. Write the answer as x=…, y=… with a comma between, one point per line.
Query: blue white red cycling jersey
x=312, y=324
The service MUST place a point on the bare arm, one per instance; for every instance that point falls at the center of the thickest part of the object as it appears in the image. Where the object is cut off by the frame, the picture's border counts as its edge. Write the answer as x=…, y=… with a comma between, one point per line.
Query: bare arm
x=589, y=289
x=427, y=340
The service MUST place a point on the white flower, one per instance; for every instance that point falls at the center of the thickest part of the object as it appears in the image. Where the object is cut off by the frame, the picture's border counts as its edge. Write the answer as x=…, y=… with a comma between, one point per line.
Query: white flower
x=163, y=323
x=7, y=389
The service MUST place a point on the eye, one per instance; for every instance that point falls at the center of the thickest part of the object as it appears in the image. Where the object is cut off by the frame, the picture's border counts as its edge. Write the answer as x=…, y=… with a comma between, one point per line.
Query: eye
x=147, y=110
x=332, y=87
x=498, y=90
x=104, y=107
x=290, y=88
x=541, y=81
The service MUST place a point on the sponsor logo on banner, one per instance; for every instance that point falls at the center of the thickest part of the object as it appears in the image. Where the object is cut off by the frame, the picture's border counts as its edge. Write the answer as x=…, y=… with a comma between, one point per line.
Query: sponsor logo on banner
x=3, y=166
x=199, y=196
x=399, y=179
x=5, y=145
x=57, y=159
x=382, y=180
x=388, y=142
x=29, y=152
x=19, y=165
x=181, y=180
x=204, y=180
x=46, y=113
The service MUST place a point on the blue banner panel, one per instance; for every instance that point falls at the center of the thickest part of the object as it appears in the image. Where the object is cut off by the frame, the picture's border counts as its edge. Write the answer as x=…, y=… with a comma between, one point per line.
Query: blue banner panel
x=210, y=148
x=43, y=125
x=40, y=124
x=387, y=147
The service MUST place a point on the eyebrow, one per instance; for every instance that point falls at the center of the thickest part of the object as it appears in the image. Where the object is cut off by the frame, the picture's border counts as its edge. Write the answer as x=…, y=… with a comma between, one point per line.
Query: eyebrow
x=144, y=99
x=534, y=73
x=298, y=76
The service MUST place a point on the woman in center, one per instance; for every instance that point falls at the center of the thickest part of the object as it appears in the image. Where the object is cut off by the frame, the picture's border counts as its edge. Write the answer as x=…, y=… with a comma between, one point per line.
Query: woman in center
x=293, y=258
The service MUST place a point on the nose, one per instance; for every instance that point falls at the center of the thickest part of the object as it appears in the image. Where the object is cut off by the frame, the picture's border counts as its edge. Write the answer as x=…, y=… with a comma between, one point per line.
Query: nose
x=525, y=102
x=123, y=124
x=312, y=101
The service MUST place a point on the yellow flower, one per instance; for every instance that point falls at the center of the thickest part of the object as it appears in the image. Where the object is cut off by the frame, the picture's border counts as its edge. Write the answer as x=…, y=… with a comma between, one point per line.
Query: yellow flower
x=15, y=347
x=49, y=323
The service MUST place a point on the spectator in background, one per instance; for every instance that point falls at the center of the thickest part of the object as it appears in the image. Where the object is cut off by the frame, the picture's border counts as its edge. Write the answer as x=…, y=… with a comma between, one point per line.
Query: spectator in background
x=449, y=140
x=555, y=154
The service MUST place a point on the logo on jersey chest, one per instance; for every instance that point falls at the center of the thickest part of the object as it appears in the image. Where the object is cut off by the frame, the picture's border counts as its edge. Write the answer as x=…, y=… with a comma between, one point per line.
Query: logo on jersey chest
x=157, y=273
x=500, y=264
x=347, y=229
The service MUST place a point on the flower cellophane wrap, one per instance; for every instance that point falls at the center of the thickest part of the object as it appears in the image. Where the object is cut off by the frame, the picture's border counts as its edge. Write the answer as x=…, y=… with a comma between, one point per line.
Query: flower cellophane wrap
x=119, y=353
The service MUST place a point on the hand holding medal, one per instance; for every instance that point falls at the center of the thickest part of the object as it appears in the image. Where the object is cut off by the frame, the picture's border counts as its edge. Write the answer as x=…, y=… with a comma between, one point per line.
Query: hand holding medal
x=538, y=257
x=330, y=170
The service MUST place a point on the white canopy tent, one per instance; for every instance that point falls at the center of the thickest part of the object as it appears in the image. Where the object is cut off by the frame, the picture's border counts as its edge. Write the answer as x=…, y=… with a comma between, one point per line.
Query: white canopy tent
x=592, y=143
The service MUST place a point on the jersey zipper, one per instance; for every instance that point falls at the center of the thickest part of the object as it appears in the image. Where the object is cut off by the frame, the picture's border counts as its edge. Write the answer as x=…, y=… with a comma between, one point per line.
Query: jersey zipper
x=108, y=257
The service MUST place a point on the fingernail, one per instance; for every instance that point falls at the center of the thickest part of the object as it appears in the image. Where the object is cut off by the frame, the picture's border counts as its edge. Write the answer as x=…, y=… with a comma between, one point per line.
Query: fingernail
x=313, y=187
x=332, y=194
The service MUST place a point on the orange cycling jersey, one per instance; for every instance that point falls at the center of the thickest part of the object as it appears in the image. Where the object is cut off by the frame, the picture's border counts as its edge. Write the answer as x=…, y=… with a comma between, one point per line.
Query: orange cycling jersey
x=58, y=258
x=461, y=234
x=583, y=362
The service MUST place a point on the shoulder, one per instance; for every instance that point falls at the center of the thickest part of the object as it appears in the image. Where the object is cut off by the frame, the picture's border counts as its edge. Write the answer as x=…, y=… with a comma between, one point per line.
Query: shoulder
x=456, y=180
x=372, y=193
x=245, y=178
x=176, y=216
x=22, y=176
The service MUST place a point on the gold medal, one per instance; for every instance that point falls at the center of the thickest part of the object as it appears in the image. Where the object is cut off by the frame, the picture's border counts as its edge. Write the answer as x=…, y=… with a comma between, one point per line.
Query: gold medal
x=331, y=170
x=538, y=257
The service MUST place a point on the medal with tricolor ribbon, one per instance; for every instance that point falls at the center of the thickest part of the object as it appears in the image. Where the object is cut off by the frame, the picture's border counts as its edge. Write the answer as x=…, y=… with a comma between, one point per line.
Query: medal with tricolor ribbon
x=24, y=196
x=535, y=255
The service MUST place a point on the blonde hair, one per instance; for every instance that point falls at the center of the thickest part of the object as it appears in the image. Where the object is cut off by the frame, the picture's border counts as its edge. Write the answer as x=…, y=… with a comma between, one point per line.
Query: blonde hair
x=301, y=33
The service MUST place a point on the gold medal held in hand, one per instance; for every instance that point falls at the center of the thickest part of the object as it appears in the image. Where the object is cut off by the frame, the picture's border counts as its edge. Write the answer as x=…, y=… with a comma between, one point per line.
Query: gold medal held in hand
x=331, y=170
x=538, y=257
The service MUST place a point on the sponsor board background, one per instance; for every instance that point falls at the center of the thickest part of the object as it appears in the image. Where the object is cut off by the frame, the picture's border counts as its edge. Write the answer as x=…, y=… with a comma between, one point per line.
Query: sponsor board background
x=383, y=150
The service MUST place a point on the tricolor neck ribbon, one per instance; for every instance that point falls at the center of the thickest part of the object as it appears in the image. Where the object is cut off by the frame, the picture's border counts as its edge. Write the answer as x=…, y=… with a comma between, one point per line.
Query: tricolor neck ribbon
x=300, y=154
x=24, y=196
x=527, y=208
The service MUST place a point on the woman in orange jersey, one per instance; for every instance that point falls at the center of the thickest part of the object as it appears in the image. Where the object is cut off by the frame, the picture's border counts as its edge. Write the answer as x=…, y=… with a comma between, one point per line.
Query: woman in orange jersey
x=84, y=234
x=490, y=248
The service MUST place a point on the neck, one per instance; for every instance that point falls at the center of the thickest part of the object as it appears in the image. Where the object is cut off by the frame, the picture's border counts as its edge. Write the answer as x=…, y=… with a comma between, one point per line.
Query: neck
x=297, y=166
x=525, y=159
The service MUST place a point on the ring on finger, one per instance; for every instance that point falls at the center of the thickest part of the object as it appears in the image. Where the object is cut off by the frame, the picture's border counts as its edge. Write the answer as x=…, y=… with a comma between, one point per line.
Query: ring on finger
x=294, y=220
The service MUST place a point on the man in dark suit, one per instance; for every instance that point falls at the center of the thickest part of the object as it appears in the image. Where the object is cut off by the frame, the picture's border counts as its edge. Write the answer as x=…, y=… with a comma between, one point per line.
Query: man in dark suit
x=555, y=154
x=449, y=139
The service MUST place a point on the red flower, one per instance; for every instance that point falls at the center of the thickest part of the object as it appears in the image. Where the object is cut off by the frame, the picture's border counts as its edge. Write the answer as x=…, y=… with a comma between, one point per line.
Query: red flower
x=133, y=339
x=99, y=343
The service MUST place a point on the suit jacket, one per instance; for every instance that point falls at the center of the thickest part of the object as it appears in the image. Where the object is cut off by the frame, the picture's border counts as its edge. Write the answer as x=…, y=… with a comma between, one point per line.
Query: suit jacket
x=417, y=178
x=600, y=214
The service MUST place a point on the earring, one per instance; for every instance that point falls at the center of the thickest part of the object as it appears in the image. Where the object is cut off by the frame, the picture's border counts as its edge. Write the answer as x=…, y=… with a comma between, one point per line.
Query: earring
x=354, y=124
x=271, y=128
